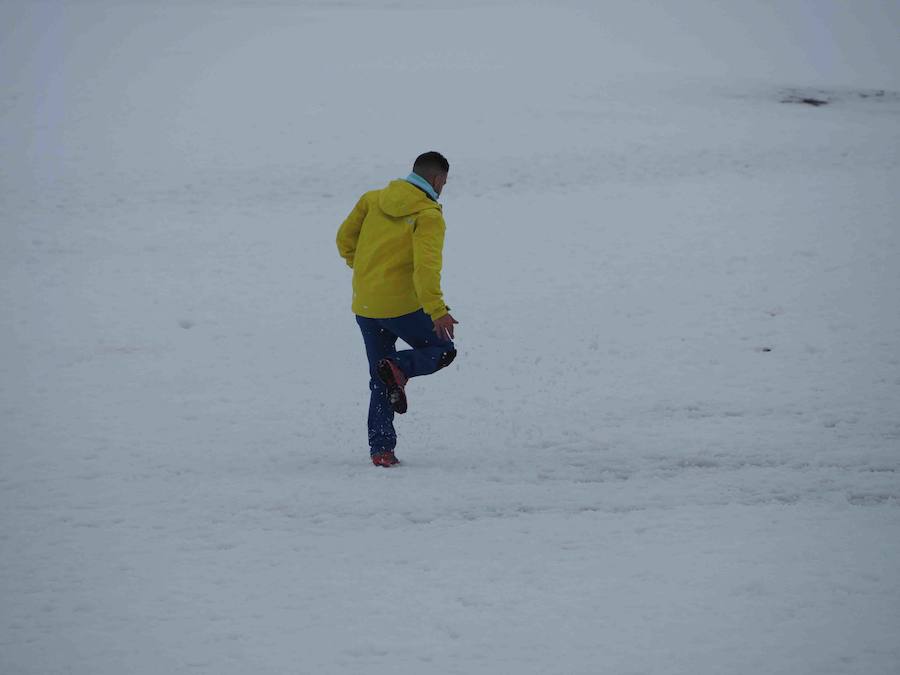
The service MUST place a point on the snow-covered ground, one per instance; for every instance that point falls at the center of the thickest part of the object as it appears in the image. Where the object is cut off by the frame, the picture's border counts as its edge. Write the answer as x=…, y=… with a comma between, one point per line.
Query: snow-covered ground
x=671, y=443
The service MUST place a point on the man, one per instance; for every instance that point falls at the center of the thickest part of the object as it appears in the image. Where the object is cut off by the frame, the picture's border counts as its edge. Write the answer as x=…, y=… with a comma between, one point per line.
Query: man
x=393, y=240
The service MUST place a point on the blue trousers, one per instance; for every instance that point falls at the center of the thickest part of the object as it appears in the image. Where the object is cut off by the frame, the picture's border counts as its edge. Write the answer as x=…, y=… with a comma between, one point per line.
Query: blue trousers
x=429, y=354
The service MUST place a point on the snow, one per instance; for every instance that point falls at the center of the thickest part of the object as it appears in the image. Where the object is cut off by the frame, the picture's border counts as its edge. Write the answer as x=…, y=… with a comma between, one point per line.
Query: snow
x=670, y=443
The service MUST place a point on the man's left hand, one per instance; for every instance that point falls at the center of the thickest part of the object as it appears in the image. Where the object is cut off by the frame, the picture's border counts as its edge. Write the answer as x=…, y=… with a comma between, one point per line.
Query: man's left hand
x=444, y=327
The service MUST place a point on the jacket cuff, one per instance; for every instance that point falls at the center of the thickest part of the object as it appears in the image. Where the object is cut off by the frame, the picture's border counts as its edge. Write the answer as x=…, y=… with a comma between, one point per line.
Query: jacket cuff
x=443, y=310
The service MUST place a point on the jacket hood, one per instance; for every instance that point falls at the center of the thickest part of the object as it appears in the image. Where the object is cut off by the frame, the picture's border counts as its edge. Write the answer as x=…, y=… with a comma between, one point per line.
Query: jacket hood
x=400, y=199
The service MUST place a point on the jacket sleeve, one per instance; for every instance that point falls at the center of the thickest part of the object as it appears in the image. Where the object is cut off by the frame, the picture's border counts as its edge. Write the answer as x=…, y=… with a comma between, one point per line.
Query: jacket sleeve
x=428, y=245
x=348, y=233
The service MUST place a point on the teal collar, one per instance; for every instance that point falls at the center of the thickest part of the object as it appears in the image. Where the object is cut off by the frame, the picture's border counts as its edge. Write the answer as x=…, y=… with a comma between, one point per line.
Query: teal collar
x=422, y=184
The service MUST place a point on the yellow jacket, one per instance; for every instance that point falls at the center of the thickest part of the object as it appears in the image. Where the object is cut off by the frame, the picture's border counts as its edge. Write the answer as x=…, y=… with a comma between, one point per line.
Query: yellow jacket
x=394, y=239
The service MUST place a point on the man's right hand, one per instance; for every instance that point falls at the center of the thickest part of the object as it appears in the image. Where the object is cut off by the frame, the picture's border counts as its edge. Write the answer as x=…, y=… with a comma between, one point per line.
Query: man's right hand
x=444, y=327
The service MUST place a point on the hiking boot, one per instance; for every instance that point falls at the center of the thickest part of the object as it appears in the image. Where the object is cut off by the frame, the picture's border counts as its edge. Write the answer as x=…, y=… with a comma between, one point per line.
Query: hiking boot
x=390, y=373
x=385, y=458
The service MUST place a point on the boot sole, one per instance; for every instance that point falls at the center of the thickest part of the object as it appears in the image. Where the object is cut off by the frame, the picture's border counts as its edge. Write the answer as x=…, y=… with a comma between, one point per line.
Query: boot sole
x=386, y=465
x=395, y=392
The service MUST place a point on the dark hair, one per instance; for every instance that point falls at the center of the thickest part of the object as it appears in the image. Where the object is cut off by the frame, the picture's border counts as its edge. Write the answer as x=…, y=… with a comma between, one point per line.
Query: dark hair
x=429, y=164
